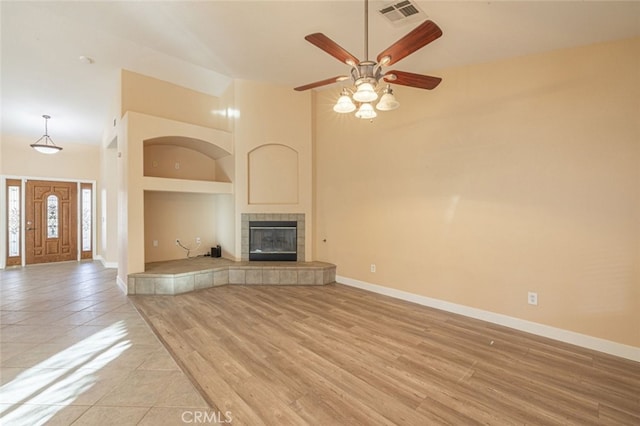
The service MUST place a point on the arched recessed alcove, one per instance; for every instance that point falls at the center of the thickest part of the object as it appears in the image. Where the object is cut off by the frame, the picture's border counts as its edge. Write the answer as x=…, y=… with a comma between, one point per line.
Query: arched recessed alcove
x=180, y=157
x=187, y=203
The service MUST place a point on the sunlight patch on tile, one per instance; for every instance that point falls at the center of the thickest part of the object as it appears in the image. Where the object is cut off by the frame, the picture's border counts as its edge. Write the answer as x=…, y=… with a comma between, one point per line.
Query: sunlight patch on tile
x=37, y=394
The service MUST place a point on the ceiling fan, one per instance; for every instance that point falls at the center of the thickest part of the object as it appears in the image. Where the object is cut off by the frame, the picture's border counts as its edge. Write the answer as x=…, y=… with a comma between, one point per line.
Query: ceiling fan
x=366, y=75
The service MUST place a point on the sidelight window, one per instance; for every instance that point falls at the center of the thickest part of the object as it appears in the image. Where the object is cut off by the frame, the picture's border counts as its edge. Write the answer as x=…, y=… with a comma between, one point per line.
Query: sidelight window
x=13, y=219
x=86, y=219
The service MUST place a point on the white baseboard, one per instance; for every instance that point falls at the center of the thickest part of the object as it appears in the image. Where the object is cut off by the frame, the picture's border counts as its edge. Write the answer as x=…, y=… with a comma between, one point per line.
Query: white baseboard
x=583, y=340
x=112, y=265
x=123, y=286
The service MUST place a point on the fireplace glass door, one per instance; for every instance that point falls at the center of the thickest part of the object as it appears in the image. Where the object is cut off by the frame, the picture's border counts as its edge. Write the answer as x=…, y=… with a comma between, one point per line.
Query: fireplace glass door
x=272, y=240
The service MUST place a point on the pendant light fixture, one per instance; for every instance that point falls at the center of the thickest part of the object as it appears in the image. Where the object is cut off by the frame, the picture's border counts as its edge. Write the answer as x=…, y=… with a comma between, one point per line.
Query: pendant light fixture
x=46, y=146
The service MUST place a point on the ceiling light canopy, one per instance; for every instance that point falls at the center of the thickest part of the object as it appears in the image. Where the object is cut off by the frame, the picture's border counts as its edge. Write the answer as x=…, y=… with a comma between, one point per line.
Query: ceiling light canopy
x=87, y=60
x=45, y=145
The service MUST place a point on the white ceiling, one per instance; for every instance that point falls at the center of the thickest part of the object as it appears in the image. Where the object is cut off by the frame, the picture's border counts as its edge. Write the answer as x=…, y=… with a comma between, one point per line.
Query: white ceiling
x=203, y=45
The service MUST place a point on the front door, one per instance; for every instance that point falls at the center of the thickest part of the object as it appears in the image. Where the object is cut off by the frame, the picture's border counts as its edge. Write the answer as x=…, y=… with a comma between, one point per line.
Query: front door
x=51, y=217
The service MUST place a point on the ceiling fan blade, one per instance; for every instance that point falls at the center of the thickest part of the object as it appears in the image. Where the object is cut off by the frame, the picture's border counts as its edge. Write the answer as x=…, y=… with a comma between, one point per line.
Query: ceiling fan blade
x=321, y=83
x=332, y=48
x=412, y=80
x=422, y=35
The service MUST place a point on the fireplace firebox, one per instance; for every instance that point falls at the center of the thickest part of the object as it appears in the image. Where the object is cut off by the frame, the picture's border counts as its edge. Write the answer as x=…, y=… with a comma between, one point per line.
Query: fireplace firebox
x=273, y=240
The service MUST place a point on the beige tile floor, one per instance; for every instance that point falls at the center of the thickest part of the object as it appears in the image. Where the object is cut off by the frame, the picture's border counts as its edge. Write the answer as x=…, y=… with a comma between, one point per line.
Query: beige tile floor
x=74, y=351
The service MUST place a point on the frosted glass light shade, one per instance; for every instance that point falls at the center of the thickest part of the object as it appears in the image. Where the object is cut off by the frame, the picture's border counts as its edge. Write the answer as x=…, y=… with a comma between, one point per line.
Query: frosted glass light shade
x=387, y=102
x=344, y=105
x=366, y=112
x=365, y=93
x=46, y=149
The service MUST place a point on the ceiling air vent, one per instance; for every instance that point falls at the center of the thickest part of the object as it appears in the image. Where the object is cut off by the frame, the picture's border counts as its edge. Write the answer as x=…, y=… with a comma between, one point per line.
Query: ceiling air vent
x=399, y=13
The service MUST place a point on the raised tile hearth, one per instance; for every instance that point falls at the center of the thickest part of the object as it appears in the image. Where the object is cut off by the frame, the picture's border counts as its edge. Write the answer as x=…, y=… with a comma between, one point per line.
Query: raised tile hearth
x=182, y=276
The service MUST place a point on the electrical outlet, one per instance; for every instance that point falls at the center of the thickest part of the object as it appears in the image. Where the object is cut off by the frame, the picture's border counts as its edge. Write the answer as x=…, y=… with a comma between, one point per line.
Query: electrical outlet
x=198, y=241
x=373, y=267
x=532, y=298
x=177, y=165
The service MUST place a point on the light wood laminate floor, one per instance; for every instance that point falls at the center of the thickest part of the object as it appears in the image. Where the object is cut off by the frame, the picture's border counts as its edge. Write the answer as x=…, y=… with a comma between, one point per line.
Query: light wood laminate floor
x=336, y=355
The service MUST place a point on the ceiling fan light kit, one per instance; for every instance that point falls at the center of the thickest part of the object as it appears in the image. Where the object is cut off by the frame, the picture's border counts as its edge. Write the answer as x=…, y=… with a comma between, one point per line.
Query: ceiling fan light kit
x=365, y=93
x=344, y=105
x=366, y=112
x=367, y=75
x=388, y=101
x=45, y=145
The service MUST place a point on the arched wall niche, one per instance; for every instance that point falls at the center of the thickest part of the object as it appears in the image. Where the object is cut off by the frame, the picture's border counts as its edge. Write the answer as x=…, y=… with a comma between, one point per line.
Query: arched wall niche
x=273, y=175
x=181, y=157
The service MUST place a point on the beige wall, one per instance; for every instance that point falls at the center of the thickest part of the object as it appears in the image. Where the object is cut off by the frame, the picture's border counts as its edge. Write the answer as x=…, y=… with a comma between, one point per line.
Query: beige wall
x=273, y=174
x=272, y=126
x=176, y=162
x=129, y=252
x=513, y=176
x=225, y=168
x=74, y=162
x=107, y=200
x=107, y=193
x=159, y=98
x=185, y=216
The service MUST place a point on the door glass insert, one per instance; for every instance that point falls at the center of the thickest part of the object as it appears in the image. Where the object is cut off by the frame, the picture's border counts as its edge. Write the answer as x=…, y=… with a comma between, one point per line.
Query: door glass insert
x=52, y=216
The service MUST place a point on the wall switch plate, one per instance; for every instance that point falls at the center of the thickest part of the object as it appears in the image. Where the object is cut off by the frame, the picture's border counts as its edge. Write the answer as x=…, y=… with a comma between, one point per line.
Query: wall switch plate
x=373, y=267
x=155, y=243
x=532, y=298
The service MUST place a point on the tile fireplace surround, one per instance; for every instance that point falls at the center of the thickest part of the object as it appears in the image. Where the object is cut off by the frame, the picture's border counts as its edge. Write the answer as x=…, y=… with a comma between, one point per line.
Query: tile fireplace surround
x=249, y=217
